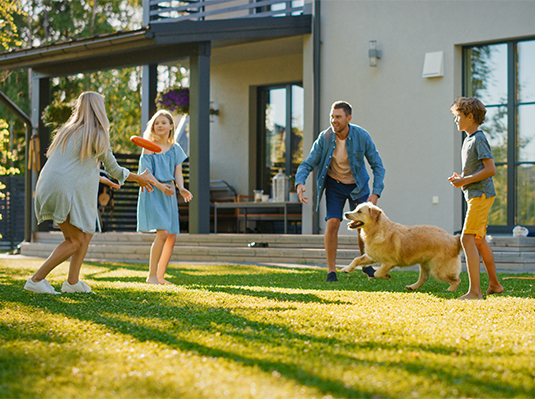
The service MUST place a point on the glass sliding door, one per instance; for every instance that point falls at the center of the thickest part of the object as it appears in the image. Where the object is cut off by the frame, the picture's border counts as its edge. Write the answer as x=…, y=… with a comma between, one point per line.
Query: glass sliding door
x=503, y=76
x=525, y=113
x=280, y=132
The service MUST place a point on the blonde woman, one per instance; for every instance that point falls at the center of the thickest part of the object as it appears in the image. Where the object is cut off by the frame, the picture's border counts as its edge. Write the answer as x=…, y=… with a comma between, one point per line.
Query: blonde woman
x=159, y=210
x=67, y=188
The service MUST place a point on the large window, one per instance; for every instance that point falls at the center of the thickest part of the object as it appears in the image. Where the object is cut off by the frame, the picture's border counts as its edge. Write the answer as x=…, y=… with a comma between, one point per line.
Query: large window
x=503, y=77
x=280, y=133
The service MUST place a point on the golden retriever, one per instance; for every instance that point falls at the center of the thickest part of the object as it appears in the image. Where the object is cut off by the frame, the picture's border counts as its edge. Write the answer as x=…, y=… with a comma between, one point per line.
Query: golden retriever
x=393, y=244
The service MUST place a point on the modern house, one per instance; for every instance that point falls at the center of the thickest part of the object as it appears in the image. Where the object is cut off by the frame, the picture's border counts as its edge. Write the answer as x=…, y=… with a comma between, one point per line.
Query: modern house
x=275, y=67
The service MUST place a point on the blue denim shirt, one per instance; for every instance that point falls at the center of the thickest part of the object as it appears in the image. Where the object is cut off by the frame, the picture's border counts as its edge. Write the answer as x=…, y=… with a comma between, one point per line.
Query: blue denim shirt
x=358, y=145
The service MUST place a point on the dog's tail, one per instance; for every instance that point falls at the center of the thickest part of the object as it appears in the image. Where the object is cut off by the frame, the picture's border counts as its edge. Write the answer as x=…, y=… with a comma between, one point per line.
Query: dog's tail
x=459, y=245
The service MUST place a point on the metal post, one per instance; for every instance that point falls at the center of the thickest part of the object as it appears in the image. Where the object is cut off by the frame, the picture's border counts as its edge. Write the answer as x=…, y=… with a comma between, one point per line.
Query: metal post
x=27, y=185
x=40, y=95
x=199, y=110
x=316, y=32
x=149, y=80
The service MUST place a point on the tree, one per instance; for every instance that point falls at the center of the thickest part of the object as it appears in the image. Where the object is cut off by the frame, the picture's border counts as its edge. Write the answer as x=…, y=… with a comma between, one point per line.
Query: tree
x=8, y=27
x=8, y=37
x=47, y=21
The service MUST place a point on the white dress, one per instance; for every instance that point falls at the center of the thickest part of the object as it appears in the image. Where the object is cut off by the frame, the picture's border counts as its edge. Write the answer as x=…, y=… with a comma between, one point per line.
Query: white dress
x=67, y=185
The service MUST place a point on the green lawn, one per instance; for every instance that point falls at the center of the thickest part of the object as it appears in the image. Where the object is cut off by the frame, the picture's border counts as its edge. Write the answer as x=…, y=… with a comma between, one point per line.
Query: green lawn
x=259, y=332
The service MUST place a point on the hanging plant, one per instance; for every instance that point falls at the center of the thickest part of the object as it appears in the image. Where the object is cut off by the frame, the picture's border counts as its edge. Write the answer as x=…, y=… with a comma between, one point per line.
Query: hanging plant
x=174, y=100
x=177, y=99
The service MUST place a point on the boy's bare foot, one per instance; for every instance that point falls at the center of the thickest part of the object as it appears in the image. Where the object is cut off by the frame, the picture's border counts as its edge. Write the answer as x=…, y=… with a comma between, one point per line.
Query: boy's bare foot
x=152, y=280
x=495, y=289
x=469, y=295
x=164, y=281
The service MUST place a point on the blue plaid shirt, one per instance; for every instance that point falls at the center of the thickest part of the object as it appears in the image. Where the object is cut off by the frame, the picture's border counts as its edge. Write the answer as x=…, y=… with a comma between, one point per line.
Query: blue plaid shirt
x=358, y=145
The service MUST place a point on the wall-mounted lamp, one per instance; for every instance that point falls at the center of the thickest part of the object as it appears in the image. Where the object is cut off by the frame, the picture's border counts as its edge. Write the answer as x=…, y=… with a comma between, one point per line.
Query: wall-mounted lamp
x=373, y=53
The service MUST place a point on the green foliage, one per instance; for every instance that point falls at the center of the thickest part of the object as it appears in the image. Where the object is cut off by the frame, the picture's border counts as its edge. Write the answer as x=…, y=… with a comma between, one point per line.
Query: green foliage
x=56, y=20
x=57, y=113
x=46, y=21
x=121, y=89
x=8, y=26
x=6, y=157
x=257, y=332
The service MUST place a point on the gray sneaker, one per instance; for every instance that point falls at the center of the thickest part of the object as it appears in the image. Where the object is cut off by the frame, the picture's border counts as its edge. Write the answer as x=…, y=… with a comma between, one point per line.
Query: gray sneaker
x=42, y=287
x=332, y=276
x=369, y=271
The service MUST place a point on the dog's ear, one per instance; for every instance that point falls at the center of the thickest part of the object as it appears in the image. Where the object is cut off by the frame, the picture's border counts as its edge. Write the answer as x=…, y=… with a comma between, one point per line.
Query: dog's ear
x=375, y=213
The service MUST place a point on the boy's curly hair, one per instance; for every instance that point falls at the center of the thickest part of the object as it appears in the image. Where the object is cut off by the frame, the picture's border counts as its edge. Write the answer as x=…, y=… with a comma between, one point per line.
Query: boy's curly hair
x=470, y=105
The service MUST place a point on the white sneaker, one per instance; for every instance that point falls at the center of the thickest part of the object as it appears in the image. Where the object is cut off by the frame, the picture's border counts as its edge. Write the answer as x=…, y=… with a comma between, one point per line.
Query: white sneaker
x=80, y=286
x=42, y=287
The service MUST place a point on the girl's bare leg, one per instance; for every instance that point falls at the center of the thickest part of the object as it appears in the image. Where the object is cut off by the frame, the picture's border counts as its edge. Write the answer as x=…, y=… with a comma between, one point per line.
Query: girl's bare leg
x=74, y=240
x=165, y=257
x=155, y=253
x=77, y=259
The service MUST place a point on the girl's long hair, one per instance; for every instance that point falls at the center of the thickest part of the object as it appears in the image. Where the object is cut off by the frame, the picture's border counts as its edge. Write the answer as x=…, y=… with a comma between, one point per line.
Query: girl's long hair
x=149, y=133
x=88, y=119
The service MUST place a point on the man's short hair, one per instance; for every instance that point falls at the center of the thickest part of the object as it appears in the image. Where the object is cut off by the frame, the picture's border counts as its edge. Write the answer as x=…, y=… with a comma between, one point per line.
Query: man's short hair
x=470, y=105
x=343, y=105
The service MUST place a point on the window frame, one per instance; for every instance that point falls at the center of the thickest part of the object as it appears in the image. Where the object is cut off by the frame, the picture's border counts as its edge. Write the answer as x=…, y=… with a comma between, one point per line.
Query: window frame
x=261, y=132
x=512, y=105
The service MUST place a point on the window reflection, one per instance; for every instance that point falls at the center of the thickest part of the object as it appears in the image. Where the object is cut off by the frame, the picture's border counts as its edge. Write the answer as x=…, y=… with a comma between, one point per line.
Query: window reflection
x=526, y=69
x=495, y=129
x=276, y=149
x=526, y=133
x=525, y=212
x=498, y=212
x=488, y=73
x=298, y=123
x=275, y=128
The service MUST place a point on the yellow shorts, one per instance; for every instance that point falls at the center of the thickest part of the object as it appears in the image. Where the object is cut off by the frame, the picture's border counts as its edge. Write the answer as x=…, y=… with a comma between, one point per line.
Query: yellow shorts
x=477, y=215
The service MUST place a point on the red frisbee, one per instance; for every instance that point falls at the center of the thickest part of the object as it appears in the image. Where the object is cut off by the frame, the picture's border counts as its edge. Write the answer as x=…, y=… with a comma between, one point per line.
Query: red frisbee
x=146, y=144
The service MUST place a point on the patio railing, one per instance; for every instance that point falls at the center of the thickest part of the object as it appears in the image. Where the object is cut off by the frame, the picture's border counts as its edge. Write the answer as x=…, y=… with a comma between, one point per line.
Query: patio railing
x=157, y=11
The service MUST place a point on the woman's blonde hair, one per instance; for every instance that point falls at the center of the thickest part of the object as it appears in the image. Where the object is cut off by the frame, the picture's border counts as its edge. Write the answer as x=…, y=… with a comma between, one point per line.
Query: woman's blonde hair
x=149, y=131
x=90, y=119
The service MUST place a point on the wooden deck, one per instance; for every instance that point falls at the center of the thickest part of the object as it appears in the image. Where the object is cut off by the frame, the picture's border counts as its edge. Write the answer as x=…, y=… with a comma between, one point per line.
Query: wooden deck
x=512, y=254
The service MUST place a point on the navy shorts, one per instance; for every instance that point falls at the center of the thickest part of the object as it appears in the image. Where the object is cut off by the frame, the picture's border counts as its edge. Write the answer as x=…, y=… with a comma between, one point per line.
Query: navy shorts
x=336, y=195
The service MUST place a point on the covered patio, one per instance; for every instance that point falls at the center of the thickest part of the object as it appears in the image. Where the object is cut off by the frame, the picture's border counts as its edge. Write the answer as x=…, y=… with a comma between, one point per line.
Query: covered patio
x=169, y=34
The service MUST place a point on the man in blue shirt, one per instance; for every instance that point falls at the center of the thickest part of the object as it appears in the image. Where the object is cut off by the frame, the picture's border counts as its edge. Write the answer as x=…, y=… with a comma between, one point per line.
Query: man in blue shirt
x=339, y=154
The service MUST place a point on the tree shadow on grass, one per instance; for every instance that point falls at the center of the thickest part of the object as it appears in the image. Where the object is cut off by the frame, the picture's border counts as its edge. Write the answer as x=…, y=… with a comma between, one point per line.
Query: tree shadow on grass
x=131, y=311
x=206, y=321
x=283, y=278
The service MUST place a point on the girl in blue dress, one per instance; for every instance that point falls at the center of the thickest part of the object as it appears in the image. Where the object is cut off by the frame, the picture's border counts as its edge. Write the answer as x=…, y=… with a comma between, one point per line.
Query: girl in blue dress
x=158, y=211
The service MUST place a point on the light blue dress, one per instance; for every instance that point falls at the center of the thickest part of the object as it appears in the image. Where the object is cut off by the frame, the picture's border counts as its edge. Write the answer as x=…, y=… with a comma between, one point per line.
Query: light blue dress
x=157, y=211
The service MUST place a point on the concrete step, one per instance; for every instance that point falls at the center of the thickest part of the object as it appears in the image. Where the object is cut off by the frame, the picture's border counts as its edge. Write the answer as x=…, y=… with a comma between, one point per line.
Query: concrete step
x=288, y=249
x=511, y=253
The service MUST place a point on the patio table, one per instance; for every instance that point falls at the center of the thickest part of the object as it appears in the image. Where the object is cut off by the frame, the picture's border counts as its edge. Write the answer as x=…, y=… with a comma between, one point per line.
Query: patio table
x=255, y=205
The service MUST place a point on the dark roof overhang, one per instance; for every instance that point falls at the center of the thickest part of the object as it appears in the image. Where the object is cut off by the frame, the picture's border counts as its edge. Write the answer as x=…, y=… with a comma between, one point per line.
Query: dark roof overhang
x=157, y=43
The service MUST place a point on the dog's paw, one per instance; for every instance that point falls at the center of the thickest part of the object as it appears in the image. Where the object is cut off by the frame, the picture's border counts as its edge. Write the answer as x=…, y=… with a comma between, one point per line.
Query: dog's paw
x=453, y=287
x=384, y=277
x=346, y=269
x=410, y=288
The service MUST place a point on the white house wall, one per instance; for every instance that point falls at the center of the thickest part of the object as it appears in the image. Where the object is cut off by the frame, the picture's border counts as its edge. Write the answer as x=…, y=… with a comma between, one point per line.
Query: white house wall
x=407, y=115
x=233, y=72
